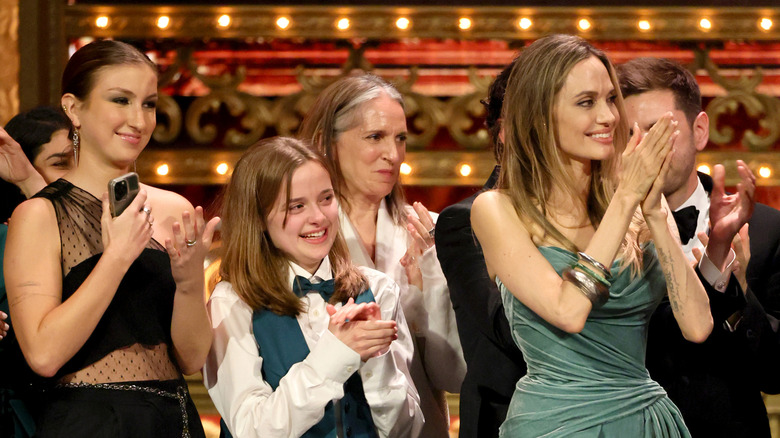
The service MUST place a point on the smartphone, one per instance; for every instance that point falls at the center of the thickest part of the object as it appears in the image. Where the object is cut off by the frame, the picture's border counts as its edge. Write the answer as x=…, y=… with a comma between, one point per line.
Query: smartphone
x=121, y=192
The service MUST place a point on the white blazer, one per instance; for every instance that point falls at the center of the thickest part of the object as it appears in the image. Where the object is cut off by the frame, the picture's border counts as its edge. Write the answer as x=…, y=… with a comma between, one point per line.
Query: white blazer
x=437, y=364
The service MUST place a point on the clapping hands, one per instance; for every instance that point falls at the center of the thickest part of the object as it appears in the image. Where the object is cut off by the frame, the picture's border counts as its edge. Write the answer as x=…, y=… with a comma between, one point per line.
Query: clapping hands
x=360, y=327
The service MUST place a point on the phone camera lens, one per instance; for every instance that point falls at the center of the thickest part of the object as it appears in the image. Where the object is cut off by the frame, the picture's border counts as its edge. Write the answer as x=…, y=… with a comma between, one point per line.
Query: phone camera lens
x=120, y=190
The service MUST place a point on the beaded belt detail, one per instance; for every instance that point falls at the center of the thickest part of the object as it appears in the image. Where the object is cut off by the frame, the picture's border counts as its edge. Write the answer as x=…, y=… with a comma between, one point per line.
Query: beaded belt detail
x=180, y=395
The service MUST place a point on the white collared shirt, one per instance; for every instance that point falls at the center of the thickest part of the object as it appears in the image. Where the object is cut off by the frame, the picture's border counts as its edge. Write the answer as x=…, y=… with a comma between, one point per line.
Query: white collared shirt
x=233, y=370
x=440, y=365
x=701, y=200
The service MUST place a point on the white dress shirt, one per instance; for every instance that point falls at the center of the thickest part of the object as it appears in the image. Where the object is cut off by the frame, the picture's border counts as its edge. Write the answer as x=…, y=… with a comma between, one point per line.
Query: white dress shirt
x=438, y=364
x=250, y=407
x=701, y=200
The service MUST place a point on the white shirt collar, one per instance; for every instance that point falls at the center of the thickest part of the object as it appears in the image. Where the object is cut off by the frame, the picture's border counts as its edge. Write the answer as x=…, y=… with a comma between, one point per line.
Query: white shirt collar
x=323, y=272
x=701, y=200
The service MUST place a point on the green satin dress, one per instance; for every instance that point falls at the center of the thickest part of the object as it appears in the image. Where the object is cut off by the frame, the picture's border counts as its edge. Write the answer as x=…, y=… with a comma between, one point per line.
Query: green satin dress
x=593, y=383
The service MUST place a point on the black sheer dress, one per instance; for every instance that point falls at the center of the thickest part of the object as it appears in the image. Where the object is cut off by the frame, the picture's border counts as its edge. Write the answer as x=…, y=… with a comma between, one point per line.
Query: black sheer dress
x=124, y=381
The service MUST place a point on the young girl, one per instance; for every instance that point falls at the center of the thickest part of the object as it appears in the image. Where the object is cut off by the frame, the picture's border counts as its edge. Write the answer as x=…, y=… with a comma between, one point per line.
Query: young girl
x=306, y=344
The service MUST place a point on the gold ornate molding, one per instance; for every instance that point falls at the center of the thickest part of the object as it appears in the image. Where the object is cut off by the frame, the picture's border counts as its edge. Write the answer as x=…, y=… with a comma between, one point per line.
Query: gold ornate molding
x=741, y=92
x=9, y=59
x=379, y=22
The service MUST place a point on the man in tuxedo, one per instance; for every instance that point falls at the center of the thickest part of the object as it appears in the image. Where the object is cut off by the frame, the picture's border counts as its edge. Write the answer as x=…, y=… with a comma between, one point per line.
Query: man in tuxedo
x=717, y=384
x=494, y=362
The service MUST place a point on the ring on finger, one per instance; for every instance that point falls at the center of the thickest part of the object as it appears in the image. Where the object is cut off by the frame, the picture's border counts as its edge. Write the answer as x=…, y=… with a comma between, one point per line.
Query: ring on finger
x=191, y=242
x=432, y=232
x=147, y=210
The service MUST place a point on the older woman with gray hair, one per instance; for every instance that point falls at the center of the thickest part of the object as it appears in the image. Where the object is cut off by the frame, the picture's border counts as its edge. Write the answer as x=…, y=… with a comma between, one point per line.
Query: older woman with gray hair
x=358, y=124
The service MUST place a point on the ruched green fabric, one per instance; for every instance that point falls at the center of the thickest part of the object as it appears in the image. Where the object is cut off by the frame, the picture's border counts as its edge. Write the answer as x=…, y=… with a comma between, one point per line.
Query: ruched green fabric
x=593, y=383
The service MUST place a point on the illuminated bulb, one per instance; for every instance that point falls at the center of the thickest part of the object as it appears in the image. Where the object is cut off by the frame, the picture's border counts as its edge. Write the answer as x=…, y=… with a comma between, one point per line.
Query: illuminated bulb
x=584, y=24
x=705, y=24
x=406, y=169
x=163, y=21
x=764, y=172
x=525, y=23
x=766, y=23
x=464, y=23
x=343, y=24
x=222, y=168
x=402, y=23
x=643, y=25
x=224, y=21
x=282, y=23
x=465, y=170
x=163, y=169
x=101, y=22
x=704, y=169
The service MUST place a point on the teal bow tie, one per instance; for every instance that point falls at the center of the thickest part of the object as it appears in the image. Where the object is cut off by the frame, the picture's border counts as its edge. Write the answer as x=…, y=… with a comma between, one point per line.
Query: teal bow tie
x=302, y=286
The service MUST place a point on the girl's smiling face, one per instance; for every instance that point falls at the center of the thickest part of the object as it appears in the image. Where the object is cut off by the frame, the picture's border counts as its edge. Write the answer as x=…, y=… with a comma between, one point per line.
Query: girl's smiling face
x=305, y=227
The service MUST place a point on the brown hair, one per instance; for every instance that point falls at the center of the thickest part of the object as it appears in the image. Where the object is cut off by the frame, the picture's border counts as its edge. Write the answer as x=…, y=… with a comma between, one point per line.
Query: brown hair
x=641, y=75
x=337, y=109
x=257, y=270
x=493, y=104
x=532, y=162
x=78, y=78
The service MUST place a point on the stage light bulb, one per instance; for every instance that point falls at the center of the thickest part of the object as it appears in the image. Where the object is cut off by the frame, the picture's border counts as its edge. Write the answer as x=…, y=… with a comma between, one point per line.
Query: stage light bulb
x=643, y=25
x=584, y=24
x=282, y=23
x=465, y=170
x=525, y=23
x=223, y=21
x=464, y=23
x=222, y=168
x=101, y=22
x=343, y=24
x=764, y=171
x=163, y=169
x=406, y=169
x=402, y=23
x=704, y=168
x=163, y=21
x=766, y=23
x=705, y=24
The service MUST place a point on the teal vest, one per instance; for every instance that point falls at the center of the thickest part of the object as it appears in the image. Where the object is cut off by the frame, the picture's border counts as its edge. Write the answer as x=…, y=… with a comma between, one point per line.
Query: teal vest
x=282, y=345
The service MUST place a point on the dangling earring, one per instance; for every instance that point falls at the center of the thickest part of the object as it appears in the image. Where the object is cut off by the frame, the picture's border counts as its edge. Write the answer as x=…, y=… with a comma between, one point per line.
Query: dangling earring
x=76, y=145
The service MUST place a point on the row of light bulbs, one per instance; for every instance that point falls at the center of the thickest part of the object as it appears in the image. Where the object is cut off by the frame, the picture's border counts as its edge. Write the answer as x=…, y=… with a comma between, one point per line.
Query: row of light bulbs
x=464, y=170
x=404, y=23
x=763, y=171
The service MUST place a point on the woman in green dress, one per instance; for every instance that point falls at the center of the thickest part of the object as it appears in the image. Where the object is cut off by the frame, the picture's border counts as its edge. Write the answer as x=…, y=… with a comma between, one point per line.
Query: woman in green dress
x=578, y=238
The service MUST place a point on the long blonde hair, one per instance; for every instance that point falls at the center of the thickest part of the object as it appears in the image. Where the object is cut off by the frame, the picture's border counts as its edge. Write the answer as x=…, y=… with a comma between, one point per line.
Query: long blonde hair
x=532, y=163
x=336, y=110
x=258, y=270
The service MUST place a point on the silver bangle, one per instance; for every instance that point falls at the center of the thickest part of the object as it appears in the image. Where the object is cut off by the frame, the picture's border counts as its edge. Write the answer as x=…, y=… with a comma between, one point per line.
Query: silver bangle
x=596, y=264
x=597, y=293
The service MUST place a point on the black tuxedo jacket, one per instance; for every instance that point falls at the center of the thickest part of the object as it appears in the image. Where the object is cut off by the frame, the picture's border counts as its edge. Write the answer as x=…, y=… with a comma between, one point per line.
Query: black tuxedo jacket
x=717, y=384
x=494, y=362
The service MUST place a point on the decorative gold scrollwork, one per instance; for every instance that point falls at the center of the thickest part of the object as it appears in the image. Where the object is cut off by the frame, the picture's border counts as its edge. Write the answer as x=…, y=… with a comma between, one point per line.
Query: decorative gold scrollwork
x=252, y=112
x=425, y=112
x=167, y=109
x=463, y=109
x=741, y=92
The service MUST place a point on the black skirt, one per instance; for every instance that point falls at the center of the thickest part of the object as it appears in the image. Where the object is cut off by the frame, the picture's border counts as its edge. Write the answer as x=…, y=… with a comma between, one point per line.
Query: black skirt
x=122, y=410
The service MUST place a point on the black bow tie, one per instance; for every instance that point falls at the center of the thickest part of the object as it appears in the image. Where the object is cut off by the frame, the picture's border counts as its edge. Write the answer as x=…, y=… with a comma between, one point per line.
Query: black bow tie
x=686, y=219
x=302, y=286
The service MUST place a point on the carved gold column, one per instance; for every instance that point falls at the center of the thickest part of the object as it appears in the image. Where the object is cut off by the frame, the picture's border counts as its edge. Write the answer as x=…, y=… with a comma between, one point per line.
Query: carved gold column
x=9, y=59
